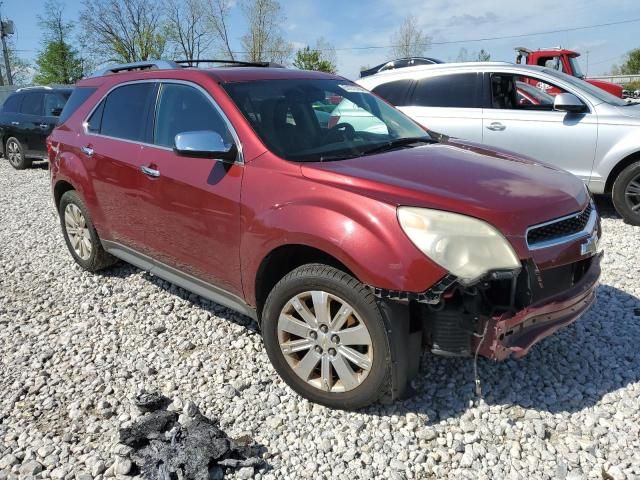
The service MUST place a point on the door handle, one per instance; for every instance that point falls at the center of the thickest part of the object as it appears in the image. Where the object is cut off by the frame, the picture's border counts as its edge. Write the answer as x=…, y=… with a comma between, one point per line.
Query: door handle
x=496, y=127
x=150, y=172
x=88, y=151
x=44, y=126
x=15, y=123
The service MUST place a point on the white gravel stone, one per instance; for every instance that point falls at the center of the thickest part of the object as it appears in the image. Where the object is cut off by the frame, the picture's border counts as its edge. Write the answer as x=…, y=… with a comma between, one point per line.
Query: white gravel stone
x=72, y=344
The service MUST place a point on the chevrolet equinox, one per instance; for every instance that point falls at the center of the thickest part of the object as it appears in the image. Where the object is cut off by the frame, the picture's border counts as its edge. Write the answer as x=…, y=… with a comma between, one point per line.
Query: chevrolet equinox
x=354, y=244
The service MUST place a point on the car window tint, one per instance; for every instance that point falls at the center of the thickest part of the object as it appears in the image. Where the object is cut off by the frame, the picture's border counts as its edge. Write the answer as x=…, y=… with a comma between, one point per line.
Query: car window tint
x=186, y=109
x=32, y=103
x=446, y=91
x=12, y=104
x=394, y=92
x=522, y=92
x=54, y=102
x=125, y=111
x=77, y=98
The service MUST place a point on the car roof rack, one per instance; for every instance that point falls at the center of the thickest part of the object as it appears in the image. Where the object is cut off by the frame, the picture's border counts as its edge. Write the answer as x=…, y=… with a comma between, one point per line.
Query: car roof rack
x=34, y=87
x=143, y=65
x=238, y=63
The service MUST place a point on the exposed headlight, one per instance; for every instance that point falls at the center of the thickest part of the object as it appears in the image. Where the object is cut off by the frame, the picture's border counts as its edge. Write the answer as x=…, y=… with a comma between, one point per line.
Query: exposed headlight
x=465, y=246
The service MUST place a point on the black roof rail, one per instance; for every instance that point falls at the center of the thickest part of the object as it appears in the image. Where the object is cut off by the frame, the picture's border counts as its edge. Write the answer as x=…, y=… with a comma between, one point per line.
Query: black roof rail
x=143, y=65
x=238, y=63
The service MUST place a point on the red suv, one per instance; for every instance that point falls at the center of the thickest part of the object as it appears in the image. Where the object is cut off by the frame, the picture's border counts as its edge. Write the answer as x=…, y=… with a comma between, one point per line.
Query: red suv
x=353, y=245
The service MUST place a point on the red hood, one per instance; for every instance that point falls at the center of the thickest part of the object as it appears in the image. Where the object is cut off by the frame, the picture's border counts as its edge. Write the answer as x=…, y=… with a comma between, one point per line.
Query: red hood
x=507, y=191
x=612, y=88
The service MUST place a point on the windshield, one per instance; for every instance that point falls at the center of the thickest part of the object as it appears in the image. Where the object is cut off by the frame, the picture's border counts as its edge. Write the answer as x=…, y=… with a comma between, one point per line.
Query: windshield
x=318, y=119
x=598, y=93
x=575, y=67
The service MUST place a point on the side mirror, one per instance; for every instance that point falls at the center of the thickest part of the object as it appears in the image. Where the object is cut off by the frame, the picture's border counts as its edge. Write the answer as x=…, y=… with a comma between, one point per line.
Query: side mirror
x=568, y=102
x=56, y=111
x=204, y=144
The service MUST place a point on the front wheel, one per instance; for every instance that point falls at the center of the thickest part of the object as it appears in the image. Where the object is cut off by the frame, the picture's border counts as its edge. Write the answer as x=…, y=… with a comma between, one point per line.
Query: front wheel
x=626, y=194
x=326, y=337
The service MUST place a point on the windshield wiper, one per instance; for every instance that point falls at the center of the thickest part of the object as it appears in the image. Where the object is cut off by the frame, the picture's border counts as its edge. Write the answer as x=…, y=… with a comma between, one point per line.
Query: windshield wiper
x=397, y=143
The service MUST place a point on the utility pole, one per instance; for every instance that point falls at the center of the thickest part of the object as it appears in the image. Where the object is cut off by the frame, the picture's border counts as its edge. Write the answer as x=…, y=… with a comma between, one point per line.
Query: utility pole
x=6, y=29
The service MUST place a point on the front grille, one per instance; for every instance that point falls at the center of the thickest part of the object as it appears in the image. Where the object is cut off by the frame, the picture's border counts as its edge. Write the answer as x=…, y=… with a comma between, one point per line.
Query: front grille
x=561, y=228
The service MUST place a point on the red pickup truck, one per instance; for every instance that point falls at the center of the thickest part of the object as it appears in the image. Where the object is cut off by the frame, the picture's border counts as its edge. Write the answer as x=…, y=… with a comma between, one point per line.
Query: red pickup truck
x=565, y=61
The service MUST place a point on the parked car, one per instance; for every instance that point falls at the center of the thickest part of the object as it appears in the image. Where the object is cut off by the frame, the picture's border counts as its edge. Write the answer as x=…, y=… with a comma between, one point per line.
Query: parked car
x=585, y=130
x=351, y=248
x=27, y=118
x=399, y=63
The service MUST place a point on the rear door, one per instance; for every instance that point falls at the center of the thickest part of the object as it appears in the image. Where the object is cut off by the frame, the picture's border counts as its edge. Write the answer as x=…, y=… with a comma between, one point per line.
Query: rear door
x=116, y=130
x=53, y=104
x=565, y=140
x=448, y=104
x=10, y=117
x=192, y=205
x=31, y=123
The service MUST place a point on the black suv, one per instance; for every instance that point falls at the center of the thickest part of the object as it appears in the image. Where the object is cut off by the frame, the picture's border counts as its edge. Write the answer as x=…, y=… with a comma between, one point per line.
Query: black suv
x=27, y=118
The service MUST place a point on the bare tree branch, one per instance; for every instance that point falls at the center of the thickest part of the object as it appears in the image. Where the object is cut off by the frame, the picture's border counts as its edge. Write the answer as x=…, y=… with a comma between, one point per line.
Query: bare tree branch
x=218, y=18
x=264, y=40
x=409, y=40
x=187, y=27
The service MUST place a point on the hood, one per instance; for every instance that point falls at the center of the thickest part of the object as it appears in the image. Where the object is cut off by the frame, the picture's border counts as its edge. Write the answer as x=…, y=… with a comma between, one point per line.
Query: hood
x=510, y=192
x=631, y=110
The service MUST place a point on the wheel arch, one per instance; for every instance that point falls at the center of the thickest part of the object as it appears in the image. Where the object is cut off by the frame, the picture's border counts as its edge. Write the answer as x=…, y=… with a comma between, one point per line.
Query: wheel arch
x=619, y=167
x=284, y=259
x=61, y=187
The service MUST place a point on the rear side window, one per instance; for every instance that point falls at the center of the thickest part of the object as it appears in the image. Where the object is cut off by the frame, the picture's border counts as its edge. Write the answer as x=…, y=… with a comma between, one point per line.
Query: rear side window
x=12, y=104
x=77, y=98
x=32, y=104
x=459, y=91
x=394, y=92
x=185, y=109
x=126, y=110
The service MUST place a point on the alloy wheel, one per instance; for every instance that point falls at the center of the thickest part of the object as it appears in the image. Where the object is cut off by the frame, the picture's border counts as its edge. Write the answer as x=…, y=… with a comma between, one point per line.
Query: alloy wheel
x=13, y=153
x=632, y=194
x=77, y=231
x=324, y=341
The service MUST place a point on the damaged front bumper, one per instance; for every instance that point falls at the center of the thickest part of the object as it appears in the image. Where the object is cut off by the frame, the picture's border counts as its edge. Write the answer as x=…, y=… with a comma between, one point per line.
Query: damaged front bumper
x=513, y=334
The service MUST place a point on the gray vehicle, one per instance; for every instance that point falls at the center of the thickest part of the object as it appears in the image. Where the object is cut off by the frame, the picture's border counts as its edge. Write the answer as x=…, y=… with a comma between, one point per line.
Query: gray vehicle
x=585, y=130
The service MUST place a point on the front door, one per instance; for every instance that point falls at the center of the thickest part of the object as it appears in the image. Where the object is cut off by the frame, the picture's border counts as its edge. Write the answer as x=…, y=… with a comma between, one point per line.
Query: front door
x=531, y=127
x=192, y=205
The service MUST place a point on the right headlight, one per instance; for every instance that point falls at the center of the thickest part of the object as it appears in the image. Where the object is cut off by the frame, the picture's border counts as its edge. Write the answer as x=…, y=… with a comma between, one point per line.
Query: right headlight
x=465, y=246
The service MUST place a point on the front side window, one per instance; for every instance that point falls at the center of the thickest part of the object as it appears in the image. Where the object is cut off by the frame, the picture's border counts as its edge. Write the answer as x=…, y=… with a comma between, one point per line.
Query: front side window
x=394, y=92
x=522, y=92
x=457, y=90
x=32, y=103
x=125, y=112
x=297, y=120
x=54, y=103
x=183, y=108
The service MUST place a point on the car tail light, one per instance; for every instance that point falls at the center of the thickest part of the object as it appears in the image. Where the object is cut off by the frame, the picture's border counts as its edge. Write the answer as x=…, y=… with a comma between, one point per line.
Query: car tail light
x=333, y=121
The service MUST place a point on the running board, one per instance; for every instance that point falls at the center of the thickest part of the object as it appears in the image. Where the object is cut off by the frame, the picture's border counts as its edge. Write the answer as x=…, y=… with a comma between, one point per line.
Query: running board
x=182, y=279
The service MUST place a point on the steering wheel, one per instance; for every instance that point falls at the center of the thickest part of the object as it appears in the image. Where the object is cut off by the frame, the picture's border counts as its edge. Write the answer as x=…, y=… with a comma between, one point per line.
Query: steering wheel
x=346, y=129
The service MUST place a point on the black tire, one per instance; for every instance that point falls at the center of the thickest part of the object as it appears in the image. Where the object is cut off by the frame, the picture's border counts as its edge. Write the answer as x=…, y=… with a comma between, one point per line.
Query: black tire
x=14, y=152
x=97, y=259
x=335, y=282
x=628, y=206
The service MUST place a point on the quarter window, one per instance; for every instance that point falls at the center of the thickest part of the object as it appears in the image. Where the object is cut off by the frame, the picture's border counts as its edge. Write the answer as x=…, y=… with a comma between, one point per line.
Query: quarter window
x=125, y=112
x=185, y=109
x=12, y=104
x=394, y=92
x=32, y=104
x=458, y=91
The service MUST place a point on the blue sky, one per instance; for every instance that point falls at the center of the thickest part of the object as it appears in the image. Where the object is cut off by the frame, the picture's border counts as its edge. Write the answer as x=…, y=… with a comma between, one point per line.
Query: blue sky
x=355, y=23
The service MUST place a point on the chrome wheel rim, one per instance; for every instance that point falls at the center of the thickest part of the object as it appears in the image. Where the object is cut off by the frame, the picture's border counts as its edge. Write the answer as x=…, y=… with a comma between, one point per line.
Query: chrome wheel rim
x=13, y=153
x=325, y=342
x=77, y=231
x=632, y=194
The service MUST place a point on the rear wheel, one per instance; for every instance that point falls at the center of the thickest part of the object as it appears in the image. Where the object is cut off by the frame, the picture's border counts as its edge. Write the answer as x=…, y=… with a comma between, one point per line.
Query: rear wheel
x=626, y=194
x=80, y=234
x=15, y=154
x=326, y=337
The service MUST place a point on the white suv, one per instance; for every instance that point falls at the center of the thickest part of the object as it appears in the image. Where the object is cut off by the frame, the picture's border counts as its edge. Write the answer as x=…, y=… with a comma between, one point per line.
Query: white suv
x=575, y=126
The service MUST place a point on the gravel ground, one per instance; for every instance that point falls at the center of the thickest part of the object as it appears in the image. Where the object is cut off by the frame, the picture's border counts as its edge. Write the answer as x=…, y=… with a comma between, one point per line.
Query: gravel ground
x=76, y=348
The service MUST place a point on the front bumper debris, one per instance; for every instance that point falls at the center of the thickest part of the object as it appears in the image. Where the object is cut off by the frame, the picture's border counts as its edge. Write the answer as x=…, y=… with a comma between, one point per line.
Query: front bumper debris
x=512, y=335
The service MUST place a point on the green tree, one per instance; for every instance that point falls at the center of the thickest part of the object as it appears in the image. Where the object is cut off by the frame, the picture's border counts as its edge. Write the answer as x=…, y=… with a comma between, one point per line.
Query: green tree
x=483, y=56
x=58, y=62
x=631, y=66
x=313, y=59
